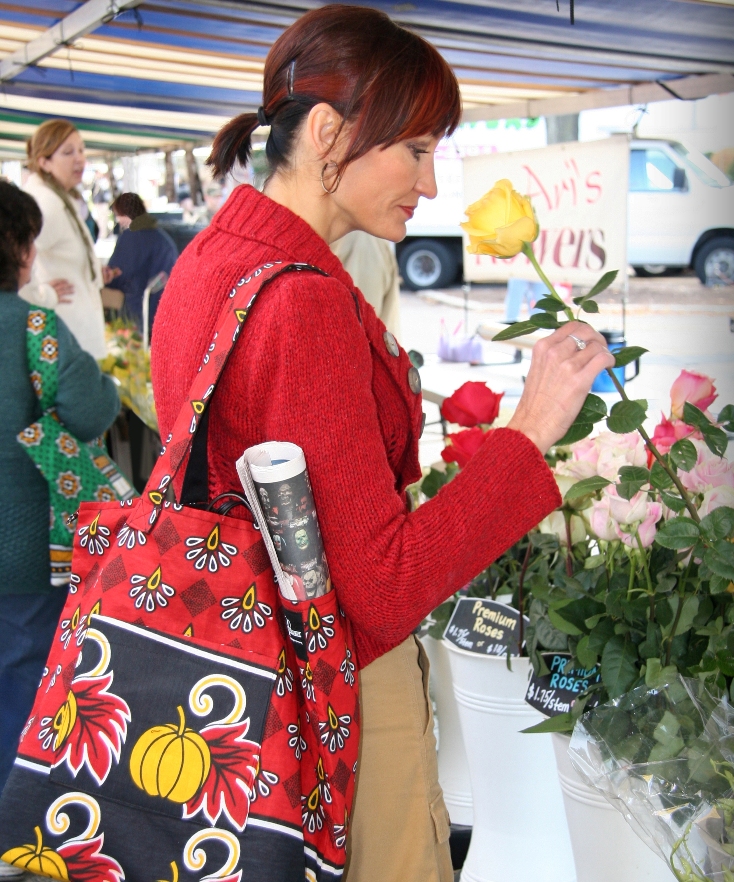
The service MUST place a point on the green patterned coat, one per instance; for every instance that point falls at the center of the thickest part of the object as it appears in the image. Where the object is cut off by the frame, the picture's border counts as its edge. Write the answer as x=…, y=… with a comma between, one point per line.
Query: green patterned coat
x=86, y=403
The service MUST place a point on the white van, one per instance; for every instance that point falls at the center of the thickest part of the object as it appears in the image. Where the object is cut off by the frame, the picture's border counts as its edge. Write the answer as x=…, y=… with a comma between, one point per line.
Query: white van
x=680, y=214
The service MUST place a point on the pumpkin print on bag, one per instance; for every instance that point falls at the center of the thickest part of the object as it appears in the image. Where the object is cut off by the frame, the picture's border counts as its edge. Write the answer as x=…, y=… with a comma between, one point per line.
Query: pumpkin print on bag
x=37, y=858
x=171, y=761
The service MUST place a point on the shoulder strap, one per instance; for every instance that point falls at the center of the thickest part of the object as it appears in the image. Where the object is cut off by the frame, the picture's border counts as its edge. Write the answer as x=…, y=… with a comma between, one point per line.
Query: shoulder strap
x=42, y=352
x=178, y=444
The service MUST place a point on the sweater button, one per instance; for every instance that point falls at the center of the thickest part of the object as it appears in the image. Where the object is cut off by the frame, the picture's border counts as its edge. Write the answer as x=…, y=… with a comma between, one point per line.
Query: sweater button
x=423, y=425
x=414, y=380
x=391, y=344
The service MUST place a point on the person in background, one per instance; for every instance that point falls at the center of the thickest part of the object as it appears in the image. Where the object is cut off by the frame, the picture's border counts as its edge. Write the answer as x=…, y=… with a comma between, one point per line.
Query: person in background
x=86, y=403
x=66, y=275
x=374, y=270
x=142, y=251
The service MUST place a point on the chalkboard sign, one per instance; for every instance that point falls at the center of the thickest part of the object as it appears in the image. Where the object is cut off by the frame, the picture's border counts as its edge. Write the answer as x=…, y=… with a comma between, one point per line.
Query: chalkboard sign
x=554, y=693
x=485, y=627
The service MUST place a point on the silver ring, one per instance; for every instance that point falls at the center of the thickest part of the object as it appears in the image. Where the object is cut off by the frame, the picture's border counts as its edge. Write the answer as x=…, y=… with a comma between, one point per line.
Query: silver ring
x=580, y=344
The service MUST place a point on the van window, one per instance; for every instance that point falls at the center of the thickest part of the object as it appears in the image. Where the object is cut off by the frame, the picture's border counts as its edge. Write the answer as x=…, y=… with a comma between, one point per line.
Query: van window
x=651, y=169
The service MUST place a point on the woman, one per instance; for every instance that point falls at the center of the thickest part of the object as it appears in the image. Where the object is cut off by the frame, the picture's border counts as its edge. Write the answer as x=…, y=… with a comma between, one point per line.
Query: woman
x=66, y=275
x=356, y=106
x=142, y=251
x=86, y=403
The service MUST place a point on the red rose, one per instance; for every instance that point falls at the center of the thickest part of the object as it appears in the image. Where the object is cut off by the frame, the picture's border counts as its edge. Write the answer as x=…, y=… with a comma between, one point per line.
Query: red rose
x=463, y=446
x=471, y=404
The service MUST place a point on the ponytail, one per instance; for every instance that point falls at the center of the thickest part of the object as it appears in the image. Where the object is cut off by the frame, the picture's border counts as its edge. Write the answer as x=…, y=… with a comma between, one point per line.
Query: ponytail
x=233, y=143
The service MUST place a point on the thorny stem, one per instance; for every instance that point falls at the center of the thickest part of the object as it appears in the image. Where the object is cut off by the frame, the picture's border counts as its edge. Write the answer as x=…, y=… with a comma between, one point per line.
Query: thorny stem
x=643, y=558
x=520, y=598
x=569, y=552
x=527, y=250
x=681, y=593
x=658, y=456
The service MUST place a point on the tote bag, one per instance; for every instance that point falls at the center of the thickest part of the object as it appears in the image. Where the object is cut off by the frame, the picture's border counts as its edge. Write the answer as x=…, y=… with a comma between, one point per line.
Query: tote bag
x=190, y=724
x=74, y=471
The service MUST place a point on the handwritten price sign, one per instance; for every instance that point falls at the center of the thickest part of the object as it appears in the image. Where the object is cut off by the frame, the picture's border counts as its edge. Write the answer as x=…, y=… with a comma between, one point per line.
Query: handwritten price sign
x=485, y=627
x=555, y=692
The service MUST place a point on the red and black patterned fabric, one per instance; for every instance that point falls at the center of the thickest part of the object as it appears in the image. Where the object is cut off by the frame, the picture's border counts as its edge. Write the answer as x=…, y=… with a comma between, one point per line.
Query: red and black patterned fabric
x=190, y=723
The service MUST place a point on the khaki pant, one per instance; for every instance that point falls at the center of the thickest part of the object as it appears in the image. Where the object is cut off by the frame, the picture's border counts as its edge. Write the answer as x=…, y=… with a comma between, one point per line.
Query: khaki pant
x=400, y=827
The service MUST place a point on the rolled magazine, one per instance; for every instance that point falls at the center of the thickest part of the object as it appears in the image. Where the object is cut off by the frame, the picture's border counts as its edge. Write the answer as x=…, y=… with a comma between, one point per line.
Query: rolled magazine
x=277, y=487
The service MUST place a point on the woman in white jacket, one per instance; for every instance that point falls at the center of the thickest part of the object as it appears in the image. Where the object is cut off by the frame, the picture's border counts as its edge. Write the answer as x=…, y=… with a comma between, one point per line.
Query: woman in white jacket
x=66, y=276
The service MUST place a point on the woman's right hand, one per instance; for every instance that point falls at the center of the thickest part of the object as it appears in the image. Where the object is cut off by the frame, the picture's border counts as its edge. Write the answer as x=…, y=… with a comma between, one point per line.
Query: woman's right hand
x=64, y=290
x=558, y=382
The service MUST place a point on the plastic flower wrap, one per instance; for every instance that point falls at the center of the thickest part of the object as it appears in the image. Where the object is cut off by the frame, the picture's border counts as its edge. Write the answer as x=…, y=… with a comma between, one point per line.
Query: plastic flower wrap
x=664, y=756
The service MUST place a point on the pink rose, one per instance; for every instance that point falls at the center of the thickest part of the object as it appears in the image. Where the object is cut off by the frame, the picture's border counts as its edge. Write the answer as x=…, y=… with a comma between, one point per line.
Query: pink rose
x=647, y=528
x=556, y=523
x=695, y=388
x=463, y=446
x=633, y=515
x=709, y=471
x=715, y=498
x=604, y=455
x=600, y=521
x=471, y=404
x=667, y=432
x=584, y=457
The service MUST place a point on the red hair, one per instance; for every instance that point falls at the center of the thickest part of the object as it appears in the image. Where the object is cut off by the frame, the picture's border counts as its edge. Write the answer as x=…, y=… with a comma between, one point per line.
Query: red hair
x=387, y=82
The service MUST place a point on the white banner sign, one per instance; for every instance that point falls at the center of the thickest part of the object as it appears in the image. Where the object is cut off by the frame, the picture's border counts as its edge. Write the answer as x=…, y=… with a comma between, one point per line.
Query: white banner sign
x=579, y=193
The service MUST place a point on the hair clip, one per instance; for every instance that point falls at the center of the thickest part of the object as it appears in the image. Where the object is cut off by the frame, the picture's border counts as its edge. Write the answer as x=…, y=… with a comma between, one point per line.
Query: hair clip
x=290, y=77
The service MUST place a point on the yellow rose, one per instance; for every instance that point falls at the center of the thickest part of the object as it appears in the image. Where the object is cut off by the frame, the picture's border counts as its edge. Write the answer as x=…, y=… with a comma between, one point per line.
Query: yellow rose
x=500, y=222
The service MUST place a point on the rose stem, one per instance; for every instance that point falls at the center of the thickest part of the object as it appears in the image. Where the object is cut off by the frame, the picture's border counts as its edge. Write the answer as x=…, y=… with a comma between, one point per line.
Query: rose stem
x=656, y=453
x=520, y=598
x=527, y=250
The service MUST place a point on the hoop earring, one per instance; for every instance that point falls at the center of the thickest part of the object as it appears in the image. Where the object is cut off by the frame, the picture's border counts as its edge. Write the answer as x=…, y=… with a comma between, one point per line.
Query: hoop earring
x=335, y=185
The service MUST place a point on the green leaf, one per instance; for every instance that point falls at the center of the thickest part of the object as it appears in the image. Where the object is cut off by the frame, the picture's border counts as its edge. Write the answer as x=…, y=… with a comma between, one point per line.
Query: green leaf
x=628, y=354
x=544, y=320
x=549, y=304
x=560, y=723
x=561, y=624
x=593, y=409
x=675, y=503
x=632, y=480
x=659, y=478
x=576, y=432
x=726, y=417
x=715, y=439
x=518, y=329
x=719, y=524
x=600, y=635
x=586, y=657
x=683, y=454
x=718, y=585
x=585, y=487
x=626, y=416
x=576, y=612
x=604, y=282
x=687, y=614
x=433, y=482
x=678, y=533
x=590, y=306
x=693, y=416
x=618, y=665
x=719, y=561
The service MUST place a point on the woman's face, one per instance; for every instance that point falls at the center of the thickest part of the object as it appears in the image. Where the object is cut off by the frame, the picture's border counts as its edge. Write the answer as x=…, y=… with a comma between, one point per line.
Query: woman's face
x=24, y=271
x=380, y=190
x=67, y=163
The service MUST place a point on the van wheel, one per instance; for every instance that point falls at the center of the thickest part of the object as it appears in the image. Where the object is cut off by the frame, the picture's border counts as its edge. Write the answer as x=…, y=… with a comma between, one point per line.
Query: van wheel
x=426, y=263
x=651, y=269
x=715, y=261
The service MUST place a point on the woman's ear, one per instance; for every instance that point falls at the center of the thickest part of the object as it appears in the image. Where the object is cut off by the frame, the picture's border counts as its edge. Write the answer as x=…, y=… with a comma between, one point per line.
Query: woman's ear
x=324, y=125
x=43, y=162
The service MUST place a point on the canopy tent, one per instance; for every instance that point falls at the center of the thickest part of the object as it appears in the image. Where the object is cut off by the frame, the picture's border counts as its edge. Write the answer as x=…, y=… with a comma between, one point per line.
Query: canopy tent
x=153, y=73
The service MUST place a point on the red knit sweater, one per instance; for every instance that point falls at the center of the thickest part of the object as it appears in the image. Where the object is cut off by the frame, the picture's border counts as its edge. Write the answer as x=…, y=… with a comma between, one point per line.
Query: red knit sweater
x=306, y=370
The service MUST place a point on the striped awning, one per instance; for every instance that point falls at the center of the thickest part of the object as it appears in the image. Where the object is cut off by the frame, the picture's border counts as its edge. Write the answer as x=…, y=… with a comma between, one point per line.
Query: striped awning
x=172, y=71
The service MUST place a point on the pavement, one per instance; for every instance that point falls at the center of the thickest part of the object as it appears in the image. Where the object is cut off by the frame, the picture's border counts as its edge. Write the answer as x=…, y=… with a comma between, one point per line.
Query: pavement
x=682, y=323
